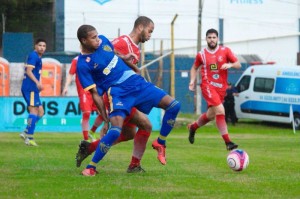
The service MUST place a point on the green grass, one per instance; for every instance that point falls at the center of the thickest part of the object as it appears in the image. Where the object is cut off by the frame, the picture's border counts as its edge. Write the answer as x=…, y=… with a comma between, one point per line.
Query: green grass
x=192, y=171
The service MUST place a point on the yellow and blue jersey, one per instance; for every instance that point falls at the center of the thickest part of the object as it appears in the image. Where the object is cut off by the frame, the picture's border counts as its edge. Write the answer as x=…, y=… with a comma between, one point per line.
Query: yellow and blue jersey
x=35, y=62
x=102, y=69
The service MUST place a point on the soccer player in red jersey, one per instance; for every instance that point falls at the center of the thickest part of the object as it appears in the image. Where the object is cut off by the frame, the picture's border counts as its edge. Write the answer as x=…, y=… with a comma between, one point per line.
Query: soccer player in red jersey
x=123, y=45
x=86, y=104
x=214, y=62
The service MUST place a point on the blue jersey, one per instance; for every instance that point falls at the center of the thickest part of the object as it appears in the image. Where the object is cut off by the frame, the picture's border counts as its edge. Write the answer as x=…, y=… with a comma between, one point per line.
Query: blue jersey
x=35, y=62
x=102, y=69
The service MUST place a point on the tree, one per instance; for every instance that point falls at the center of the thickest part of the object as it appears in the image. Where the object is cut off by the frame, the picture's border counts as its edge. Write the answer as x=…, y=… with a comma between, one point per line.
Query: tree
x=34, y=16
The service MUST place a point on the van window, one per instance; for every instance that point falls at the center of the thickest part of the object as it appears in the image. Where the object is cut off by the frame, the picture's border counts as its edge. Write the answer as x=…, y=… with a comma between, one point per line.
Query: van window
x=244, y=83
x=264, y=85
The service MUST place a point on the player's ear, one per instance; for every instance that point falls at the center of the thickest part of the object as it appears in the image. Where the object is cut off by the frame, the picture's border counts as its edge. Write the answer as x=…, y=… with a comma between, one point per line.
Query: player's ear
x=141, y=27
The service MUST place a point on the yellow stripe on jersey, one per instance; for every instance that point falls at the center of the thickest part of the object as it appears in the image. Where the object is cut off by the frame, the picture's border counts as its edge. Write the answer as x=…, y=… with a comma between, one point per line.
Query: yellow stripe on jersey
x=29, y=65
x=110, y=99
x=90, y=87
x=31, y=98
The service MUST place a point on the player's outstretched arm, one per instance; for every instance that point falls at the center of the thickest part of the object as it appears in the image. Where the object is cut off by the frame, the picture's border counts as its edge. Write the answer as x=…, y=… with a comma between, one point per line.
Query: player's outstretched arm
x=127, y=59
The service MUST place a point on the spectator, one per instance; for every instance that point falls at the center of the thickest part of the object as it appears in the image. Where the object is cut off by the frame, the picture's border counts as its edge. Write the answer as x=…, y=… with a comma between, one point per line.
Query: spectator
x=230, y=114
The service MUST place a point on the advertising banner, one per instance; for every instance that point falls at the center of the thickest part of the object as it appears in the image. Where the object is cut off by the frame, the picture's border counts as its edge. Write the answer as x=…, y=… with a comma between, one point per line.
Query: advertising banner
x=62, y=114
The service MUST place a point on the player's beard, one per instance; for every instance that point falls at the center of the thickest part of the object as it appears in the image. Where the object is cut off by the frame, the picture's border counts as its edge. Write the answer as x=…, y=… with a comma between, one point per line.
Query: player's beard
x=143, y=37
x=211, y=46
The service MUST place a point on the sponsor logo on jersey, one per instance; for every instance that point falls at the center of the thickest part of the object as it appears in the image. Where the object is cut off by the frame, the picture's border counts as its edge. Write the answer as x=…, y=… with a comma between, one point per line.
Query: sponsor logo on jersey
x=215, y=84
x=107, y=48
x=119, y=104
x=216, y=76
x=111, y=65
x=213, y=67
x=220, y=59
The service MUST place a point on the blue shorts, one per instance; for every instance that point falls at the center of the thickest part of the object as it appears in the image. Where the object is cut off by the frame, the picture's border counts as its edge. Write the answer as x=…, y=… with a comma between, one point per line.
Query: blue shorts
x=32, y=98
x=134, y=92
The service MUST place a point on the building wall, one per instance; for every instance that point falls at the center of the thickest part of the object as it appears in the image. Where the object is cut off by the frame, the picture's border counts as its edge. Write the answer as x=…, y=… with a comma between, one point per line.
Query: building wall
x=268, y=28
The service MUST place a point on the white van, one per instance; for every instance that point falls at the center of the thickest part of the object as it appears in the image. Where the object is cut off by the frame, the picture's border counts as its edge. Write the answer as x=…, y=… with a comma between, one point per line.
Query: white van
x=269, y=93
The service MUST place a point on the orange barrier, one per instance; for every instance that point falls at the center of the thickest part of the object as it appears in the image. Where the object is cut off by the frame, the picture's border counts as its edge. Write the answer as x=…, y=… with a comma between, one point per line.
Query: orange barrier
x=51, y=77
x=4, y=77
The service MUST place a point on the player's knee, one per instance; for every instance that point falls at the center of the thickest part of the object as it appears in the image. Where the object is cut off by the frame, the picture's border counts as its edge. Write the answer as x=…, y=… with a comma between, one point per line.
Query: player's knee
x=145, y=124
x=174, y=107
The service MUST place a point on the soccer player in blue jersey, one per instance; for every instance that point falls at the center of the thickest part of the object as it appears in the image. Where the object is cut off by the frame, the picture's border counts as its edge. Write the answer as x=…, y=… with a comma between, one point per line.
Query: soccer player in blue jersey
x=31, y=87
x=99, y=71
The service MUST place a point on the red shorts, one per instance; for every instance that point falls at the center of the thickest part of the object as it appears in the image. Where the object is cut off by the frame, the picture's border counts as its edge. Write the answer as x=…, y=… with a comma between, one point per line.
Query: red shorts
x=212, y=95
x=86, y=102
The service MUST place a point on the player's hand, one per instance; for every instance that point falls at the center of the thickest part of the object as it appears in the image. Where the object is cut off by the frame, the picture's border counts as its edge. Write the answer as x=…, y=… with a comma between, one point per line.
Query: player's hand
x=226, y=66
x=192, y=86
x=130, y=56
x=65, y=91
x=40, y=86
x=104, y=130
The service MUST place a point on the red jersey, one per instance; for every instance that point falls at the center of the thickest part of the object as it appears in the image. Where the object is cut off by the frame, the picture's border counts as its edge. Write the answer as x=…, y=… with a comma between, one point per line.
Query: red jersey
x=211, y=62
x=72, y=71
x=125, y=45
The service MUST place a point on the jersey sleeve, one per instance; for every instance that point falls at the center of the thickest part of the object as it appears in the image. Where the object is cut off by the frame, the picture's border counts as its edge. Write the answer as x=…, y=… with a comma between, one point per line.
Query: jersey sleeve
x=85, y=76
x=198, y=61
x=72, y=70
x=231, y=56
x=31, y=60
x=120, y=46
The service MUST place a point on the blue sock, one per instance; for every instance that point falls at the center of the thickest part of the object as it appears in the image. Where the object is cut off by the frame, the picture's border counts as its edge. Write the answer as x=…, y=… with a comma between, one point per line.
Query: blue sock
x=104, y=145
x=168, y=121
x=31, y=121
x=38, y=118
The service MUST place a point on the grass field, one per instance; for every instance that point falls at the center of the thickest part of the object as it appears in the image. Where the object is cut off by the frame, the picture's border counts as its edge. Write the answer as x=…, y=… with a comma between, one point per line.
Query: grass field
x=192, y=171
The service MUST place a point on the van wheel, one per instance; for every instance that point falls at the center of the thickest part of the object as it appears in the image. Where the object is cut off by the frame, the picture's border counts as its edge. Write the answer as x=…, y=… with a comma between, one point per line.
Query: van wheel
x=297, y=121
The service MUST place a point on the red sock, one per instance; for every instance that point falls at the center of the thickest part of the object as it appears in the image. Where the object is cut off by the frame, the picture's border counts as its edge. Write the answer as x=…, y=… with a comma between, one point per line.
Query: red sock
x=194, y=126
x=222, y=126
x=94, y=128
x=226, y=138
x=134, y=161
x=202, y=120
x=121, y=138
x=93, y=146
x=140, y=142
x=97, y=123
x=85, y=135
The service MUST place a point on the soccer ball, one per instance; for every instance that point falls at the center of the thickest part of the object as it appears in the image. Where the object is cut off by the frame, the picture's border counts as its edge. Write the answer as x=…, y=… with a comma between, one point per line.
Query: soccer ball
x=238, y=160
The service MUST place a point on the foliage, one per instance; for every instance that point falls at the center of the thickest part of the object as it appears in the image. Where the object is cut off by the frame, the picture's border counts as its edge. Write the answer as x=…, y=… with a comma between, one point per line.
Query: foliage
x=28, y=16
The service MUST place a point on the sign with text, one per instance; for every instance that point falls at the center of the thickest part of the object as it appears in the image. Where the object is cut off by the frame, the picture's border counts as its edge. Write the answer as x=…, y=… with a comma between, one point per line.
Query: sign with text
x=62, y=114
